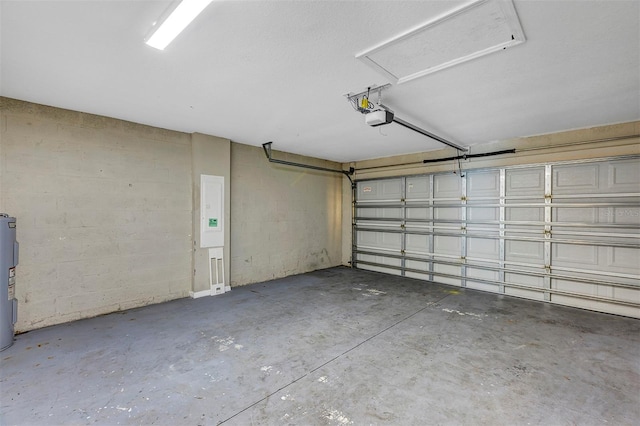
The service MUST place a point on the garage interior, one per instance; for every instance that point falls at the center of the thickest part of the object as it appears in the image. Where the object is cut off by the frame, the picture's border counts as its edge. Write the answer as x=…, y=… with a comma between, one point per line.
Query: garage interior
x=361, y=212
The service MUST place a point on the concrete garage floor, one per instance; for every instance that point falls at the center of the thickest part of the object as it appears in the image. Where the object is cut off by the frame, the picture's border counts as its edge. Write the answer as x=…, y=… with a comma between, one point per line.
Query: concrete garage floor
x=331, y=347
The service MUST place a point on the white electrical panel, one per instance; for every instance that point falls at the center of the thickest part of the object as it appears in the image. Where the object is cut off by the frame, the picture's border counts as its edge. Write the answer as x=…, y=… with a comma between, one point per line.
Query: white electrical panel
x=211, y=211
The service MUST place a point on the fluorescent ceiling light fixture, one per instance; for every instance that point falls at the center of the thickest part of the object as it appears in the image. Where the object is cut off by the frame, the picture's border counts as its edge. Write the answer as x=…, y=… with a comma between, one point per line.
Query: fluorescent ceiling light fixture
x=177, y=21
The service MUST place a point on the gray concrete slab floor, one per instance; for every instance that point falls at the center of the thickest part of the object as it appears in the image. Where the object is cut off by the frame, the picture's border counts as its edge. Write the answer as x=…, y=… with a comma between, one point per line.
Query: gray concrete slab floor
x=331, y=347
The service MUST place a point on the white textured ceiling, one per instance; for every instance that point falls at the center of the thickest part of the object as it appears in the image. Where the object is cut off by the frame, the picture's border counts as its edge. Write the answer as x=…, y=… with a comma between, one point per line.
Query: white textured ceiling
x=258, y=71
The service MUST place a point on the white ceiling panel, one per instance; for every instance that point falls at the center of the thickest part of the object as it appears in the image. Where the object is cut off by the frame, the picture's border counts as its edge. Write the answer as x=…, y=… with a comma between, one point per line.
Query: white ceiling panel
x=468, y=32
x=258, y=71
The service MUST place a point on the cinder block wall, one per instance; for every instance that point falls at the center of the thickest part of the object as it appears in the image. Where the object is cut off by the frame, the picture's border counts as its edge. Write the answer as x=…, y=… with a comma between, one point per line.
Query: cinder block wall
x=103, y=209
x=284, y=220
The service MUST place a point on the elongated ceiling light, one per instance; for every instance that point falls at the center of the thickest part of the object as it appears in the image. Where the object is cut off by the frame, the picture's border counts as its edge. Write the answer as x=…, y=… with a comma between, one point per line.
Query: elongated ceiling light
x=177, y=21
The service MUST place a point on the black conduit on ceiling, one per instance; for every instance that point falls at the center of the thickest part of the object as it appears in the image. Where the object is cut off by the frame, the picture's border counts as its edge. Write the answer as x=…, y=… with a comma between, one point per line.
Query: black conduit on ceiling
x=467, y=156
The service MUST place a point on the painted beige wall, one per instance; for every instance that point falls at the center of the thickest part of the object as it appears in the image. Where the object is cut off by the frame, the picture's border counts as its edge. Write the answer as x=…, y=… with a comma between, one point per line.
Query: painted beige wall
x=284, y=220
x=103, y=210
x=597, y=142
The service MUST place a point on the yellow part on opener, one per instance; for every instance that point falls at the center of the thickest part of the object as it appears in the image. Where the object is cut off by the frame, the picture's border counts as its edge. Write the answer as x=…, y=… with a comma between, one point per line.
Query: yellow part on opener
x=364, y=103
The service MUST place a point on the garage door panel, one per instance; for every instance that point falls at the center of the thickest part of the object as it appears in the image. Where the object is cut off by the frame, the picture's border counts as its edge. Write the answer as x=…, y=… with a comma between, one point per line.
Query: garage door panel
x=524, y=213
x=418, y=213
x=483, y=213
x=449, y=270
x=417, y=243
x=597, y=258
x=576, y=179
x=418, y=188
x=622, y=215
x=447, y=186
x=573, y=226
x=477, y=285
x=536, y=283
x=417, y=276
x=627, y=294
x=595, y=305
x=624, y=259
x=594, y=277
x=525, y=280
x=379, y=269
x=600, y=290
x=587, y=289
x=447, y=213
x=390, y=189
x=483, y=229
x=379, y=261
x=483, y=248
x=567, y=214
x=623, y=176
x=524, y=251
x=571, y=255
x=415, y=264
x=525, y=182
x=603, y=177
x=527, y=294
x=391, y=213
x=568, y=221
x=368, y=239
x=383, y=240
x=386, y=241
x=483, y=184
x=446, y=245
x=628, y=215
x=485, y=275
x=390, y=241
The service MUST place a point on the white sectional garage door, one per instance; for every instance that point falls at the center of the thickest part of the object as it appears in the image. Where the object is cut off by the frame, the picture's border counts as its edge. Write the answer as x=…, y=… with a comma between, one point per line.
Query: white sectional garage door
x=566, y=233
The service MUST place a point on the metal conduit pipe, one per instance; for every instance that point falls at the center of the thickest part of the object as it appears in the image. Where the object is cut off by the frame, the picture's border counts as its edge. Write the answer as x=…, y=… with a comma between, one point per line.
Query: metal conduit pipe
x=267, y=151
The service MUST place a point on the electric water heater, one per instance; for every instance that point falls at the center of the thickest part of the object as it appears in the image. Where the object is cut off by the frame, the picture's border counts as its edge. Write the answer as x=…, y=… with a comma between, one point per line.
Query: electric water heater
x=8, y=262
